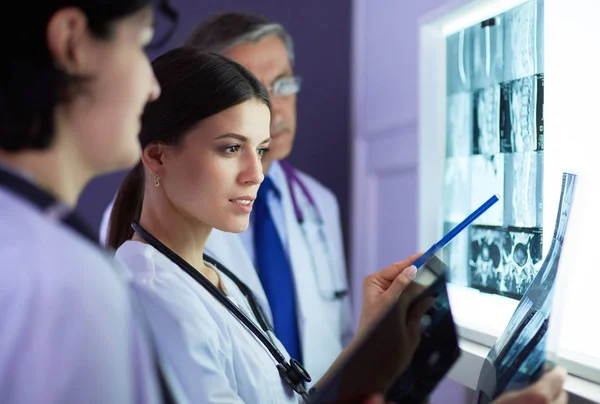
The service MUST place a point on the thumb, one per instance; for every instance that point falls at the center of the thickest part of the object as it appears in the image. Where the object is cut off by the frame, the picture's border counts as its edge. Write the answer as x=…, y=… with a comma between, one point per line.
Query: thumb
x=375, y=399
x=401, y=281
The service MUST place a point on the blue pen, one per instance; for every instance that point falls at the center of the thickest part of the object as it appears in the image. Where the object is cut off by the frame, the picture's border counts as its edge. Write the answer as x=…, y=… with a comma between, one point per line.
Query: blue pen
x=457, y=229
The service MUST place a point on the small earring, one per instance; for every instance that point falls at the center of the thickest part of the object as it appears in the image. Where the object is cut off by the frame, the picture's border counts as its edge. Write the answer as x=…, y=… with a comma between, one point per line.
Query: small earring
x=157, y=181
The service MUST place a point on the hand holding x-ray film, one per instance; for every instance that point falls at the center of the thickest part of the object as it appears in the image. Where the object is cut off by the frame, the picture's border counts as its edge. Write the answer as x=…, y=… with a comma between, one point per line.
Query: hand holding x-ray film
x=518, y=358
x=387, y=357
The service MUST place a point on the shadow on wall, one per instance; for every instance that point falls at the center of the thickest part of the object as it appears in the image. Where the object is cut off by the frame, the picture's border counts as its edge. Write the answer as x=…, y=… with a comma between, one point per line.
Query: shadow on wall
x=322, y=41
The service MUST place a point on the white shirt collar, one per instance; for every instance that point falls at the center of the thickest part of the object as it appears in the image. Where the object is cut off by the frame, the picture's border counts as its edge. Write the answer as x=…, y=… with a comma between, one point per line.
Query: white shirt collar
x=277, y=176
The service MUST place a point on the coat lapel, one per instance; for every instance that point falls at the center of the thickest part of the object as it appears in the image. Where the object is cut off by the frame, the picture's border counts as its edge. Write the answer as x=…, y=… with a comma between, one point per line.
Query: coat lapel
x=228, y=249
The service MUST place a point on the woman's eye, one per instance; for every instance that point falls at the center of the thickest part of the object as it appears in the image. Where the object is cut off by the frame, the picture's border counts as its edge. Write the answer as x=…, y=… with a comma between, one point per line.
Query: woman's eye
x=262, y=151
x=231, y=149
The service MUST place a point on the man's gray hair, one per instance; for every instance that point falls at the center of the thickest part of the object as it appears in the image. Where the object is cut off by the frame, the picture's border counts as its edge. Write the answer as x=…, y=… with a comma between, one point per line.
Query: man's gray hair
x=224, y=31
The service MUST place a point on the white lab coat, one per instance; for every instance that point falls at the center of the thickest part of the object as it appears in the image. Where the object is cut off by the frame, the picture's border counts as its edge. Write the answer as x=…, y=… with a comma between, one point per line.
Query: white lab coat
x=213, y=356
x=68, y=333
x=325, y=324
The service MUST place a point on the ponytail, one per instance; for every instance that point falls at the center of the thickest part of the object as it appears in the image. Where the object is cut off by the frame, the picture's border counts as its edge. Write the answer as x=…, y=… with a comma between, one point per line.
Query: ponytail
x=127, y=207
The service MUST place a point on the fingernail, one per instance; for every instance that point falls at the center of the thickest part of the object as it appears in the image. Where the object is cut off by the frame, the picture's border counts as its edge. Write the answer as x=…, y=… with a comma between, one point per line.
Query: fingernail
x=411, y=271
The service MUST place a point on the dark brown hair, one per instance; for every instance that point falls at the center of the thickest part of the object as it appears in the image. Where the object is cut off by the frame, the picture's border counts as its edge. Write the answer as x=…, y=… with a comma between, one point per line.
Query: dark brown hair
x=194, y=86
x=31, y=86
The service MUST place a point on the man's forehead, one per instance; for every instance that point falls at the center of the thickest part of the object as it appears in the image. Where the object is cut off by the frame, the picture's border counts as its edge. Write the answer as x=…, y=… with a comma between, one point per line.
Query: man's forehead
x=267, y=58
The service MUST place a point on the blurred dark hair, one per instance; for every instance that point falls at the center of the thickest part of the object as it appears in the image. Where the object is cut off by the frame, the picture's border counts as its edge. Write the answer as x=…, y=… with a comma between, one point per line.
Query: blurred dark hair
x=194, y=86
x=31, y=85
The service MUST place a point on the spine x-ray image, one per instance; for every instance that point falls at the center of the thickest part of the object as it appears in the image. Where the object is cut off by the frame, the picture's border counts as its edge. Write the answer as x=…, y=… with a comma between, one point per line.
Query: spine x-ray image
x=523, y=185
x=454, y=256
x=522, y=115
x=456, y=190
x=486, y=121
x=459, y=123
x=524, y=40
x=517, y=358
x=487, y=178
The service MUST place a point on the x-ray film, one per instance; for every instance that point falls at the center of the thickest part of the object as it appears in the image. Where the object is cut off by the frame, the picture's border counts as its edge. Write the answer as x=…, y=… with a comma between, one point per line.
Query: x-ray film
x=455, y=257
x=495, y=118
x=384, y=349
x=487, y=178
x=459, y=123
x=488, y=52
x=523, y=192
x=503, y=260
x=456, y=192
x=523, y=41
x=517, y=358
x=458, y=62
x=486, y=121
x=522, y=115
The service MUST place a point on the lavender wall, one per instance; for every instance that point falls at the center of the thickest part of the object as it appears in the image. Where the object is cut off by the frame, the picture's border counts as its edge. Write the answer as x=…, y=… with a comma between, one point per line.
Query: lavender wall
x=385, y=133
x=322, y=39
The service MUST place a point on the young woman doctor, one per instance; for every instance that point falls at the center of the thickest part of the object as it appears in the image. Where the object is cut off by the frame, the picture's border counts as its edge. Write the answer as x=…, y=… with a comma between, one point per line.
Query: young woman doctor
x=202, y=145
x=202, y=142
x=74, y=80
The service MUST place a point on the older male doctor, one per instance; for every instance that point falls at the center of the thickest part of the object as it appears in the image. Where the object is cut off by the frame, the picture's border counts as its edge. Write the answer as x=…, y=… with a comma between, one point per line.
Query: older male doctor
x=292, y=255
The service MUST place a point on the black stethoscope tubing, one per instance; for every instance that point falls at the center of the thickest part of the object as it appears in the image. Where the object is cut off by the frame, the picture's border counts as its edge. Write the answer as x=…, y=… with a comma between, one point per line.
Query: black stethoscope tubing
x=292, y=372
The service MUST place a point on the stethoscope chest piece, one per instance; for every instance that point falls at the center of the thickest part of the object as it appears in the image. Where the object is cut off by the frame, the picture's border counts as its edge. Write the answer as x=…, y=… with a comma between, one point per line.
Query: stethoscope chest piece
x=294, y=374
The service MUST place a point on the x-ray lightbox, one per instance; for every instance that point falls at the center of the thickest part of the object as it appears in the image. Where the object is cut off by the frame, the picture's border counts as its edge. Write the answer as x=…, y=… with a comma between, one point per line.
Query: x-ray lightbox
x=507, y=100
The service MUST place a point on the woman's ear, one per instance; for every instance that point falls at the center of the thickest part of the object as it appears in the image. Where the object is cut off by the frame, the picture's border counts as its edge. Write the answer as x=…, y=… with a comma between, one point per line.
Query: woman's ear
x=67, y=36
x=152, y=158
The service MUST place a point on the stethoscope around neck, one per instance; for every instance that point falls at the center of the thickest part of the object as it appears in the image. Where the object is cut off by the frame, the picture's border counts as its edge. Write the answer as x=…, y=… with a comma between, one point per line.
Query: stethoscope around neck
x=292, y=178
x=292, y=372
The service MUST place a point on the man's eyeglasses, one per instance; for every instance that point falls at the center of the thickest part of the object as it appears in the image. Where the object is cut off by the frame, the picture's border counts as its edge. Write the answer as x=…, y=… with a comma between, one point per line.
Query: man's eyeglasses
x=285, y=86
